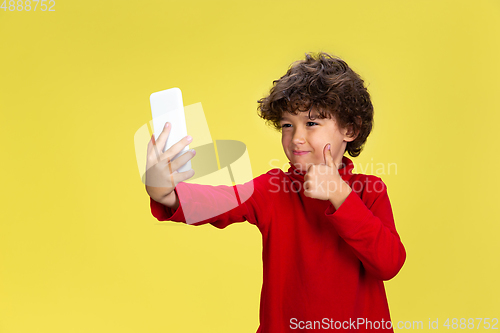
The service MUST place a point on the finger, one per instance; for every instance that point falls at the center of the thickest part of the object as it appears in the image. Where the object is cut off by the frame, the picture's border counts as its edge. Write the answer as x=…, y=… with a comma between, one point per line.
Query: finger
x=162, y=138
x=150, y=145
x=153, y=155
x=182, y=176
x=154, y=148
x=178, y=177
x=181, y=160
x=308, y=169
x=307, y=188
x=176, y=148
x=328, y=156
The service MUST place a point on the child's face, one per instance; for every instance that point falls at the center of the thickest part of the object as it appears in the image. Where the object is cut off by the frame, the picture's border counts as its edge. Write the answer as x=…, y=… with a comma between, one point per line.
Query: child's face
x=299, y=133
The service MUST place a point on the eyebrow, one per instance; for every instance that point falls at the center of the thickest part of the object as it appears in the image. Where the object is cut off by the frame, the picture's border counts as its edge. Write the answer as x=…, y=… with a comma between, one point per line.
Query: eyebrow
x=305, y=116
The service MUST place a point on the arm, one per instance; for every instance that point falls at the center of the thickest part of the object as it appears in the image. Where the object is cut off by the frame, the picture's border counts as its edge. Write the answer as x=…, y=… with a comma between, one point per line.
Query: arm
x=219, y=205
x=370, y=230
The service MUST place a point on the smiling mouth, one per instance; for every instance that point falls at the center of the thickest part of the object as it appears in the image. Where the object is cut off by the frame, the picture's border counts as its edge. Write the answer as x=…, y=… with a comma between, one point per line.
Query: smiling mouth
x=295, y=152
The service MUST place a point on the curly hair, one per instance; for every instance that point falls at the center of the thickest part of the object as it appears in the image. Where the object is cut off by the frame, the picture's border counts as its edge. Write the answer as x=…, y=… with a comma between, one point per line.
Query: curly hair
x=327, y=84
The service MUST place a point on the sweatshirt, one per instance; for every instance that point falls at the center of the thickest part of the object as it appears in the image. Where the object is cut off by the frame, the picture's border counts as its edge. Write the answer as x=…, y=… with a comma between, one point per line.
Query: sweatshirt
x=323, y=268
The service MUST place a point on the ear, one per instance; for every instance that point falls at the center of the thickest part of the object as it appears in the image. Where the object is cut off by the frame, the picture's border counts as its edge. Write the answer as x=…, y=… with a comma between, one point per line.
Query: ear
x=348, y=132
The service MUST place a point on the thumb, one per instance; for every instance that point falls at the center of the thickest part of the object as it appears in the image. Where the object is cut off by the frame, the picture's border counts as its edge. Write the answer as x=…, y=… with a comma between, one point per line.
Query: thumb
x=328, y=156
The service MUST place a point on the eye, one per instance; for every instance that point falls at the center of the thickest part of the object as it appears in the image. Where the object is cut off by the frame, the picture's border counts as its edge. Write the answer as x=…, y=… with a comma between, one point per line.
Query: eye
x=311, y=122
x=285, y=125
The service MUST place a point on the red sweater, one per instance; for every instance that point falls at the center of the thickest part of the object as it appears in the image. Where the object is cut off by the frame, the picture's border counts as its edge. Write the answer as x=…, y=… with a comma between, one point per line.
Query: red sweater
x=323, y=268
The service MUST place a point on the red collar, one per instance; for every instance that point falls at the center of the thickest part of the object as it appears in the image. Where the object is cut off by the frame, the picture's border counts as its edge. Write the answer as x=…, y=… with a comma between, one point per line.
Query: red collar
x=346, y=167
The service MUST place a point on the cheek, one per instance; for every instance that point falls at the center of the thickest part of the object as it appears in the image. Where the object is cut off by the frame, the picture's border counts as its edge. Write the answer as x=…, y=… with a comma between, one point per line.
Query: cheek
x=285, y=140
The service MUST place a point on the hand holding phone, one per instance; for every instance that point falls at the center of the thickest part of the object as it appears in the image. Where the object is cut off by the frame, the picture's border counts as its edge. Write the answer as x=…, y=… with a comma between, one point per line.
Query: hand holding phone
x=161, y=171
x=168, y=159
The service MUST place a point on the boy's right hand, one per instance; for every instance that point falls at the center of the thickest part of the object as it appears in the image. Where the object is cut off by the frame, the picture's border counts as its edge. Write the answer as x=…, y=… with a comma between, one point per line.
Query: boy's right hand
x=161, y=171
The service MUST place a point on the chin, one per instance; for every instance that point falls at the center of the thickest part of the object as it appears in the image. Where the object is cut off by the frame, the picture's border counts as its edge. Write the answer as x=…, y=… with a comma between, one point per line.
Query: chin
x=299, y=166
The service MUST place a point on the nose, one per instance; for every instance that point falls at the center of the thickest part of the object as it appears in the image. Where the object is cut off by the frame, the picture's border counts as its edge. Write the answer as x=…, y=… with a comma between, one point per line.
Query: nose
x=298, y=137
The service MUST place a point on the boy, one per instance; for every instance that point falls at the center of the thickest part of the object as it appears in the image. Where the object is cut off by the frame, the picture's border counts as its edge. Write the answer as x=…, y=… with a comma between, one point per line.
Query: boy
x=328, y=235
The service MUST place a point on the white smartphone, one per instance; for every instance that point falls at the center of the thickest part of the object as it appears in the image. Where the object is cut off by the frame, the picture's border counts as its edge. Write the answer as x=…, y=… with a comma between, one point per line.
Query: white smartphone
x=166, y=105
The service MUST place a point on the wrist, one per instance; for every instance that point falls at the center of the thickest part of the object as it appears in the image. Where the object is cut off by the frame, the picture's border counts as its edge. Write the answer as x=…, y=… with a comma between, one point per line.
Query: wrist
x=336, y=198
x=170, y=200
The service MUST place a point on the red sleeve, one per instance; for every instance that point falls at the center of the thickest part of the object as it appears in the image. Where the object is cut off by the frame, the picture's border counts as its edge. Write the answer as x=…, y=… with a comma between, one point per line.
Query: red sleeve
x=219, y=205
x=370, y=230
x=164, y=213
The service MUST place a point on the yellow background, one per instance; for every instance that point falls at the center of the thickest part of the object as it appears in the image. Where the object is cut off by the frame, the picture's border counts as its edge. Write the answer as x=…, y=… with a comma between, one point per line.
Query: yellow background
x=79, y=248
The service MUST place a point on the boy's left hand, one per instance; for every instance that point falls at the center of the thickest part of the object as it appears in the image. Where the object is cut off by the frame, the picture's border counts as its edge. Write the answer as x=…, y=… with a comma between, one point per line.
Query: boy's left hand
x=323, y=181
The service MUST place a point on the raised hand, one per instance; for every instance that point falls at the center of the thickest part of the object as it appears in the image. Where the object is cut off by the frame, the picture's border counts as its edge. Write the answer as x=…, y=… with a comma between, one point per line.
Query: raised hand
x=161, y=171
x=323, y=181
